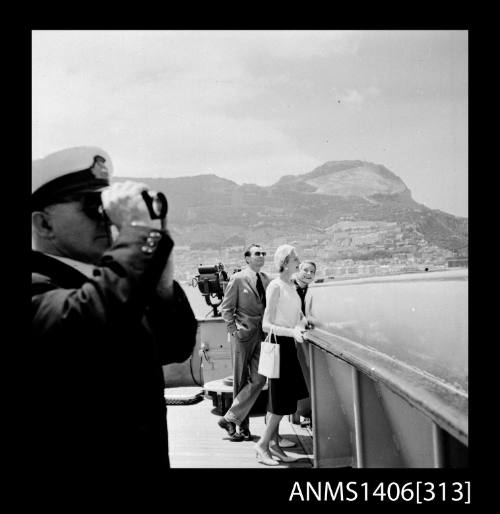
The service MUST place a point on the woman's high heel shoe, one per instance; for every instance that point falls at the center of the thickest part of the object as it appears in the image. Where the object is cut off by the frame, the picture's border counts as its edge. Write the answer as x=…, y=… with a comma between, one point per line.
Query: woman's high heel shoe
x=282, y=456
x=263, y=458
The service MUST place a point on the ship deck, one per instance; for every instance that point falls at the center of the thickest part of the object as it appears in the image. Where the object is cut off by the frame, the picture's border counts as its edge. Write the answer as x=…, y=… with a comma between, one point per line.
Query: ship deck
x=196, y=441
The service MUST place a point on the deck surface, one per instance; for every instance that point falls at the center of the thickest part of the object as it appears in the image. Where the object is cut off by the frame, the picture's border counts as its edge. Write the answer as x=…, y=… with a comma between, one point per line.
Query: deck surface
x=196, y=441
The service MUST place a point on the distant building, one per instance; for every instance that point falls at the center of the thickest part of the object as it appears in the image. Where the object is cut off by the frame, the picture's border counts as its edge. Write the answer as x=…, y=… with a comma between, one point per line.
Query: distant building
x=458, y=262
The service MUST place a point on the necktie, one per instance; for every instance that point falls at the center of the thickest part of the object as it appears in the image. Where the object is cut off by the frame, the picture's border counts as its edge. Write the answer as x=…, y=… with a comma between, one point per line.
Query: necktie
x=261, y=290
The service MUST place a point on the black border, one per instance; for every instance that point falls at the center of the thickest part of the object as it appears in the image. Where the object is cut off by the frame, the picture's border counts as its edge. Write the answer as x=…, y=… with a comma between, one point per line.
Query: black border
x=210, y=489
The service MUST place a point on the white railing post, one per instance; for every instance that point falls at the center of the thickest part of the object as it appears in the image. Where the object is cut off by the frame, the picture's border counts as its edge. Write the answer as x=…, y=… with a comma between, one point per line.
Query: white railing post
x=437, y=446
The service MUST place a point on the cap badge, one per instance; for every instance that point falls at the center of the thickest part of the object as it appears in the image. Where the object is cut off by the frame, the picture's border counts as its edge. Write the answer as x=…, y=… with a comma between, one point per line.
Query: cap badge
x=99, y=169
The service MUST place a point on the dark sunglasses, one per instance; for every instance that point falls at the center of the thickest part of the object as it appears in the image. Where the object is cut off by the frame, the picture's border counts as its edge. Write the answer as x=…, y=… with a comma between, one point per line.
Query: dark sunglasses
x=91, y=204
x=258, y=254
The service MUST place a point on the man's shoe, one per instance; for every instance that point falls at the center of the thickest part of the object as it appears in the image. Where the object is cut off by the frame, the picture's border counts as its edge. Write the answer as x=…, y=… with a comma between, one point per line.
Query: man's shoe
x=286, y=443
x=245, y=433
x=230, y=428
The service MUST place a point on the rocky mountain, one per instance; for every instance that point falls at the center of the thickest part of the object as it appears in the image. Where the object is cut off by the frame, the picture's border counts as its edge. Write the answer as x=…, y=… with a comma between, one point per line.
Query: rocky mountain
x=209, y=211
x=347, y=178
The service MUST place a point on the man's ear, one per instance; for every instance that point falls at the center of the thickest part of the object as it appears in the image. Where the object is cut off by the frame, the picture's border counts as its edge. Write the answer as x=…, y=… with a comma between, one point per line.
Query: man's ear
x=42, y=224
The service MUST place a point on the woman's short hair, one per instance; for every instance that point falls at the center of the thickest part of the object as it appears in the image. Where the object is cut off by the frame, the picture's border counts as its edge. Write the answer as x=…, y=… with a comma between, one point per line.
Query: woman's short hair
x=311, y=263
x=282, y=255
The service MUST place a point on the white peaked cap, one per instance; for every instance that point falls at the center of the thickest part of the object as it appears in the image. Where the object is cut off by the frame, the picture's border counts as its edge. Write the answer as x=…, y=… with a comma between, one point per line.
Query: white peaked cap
x=72, y=170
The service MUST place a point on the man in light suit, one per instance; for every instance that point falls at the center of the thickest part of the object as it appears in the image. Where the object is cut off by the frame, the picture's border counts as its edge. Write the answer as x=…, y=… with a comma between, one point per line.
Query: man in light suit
x=242, y=309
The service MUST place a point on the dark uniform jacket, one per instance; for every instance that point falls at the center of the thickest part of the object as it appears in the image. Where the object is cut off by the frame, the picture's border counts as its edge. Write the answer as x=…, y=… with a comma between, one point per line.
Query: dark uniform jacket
x=99, y=345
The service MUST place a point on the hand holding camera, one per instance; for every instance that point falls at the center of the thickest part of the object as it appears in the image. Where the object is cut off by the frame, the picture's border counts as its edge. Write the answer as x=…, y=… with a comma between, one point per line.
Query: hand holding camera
x=125, y=203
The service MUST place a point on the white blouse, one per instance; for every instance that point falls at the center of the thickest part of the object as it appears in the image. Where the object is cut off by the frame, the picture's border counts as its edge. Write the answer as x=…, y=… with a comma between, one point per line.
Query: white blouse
x=283, y=300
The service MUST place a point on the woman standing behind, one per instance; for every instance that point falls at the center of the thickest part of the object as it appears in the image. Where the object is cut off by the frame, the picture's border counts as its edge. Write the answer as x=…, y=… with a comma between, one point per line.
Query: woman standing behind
x=303, y=279
x=284, y=317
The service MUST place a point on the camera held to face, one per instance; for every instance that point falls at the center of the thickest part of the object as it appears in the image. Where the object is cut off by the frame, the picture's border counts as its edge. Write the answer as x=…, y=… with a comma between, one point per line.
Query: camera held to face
x=156, y=204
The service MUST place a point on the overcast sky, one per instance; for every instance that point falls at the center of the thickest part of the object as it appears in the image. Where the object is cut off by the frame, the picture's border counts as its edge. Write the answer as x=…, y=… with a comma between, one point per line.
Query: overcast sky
x=253, y=106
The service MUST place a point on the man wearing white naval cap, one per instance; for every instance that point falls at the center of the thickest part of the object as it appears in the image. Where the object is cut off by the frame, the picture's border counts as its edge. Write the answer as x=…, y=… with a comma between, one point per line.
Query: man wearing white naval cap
x=107, y=315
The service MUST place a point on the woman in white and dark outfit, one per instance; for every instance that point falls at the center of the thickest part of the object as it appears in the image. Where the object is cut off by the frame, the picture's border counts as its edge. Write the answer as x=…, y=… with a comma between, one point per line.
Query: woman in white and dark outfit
x=283, y=315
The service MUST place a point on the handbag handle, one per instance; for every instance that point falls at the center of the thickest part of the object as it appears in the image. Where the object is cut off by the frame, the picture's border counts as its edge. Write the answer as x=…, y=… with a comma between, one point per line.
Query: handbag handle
x=269, y=337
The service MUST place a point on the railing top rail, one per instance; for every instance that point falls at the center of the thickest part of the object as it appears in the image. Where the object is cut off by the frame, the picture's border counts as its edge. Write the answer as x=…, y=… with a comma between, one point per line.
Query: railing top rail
x=448, y=274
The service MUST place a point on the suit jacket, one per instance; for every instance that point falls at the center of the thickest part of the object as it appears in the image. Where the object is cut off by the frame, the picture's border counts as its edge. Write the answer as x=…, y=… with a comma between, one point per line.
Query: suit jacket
x=99, y=345
x=241, y=307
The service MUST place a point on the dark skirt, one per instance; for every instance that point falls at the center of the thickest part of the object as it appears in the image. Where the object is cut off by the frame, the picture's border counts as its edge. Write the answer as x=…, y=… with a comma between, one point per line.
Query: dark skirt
x=284, y=392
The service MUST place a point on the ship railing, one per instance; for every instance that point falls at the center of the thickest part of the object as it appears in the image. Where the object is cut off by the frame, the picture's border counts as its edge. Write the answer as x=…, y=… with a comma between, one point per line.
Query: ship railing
x=370, y=408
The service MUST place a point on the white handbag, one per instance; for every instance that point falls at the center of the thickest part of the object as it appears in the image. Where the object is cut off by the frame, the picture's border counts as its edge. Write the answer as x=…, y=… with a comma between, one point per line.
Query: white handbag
x=269, y=360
